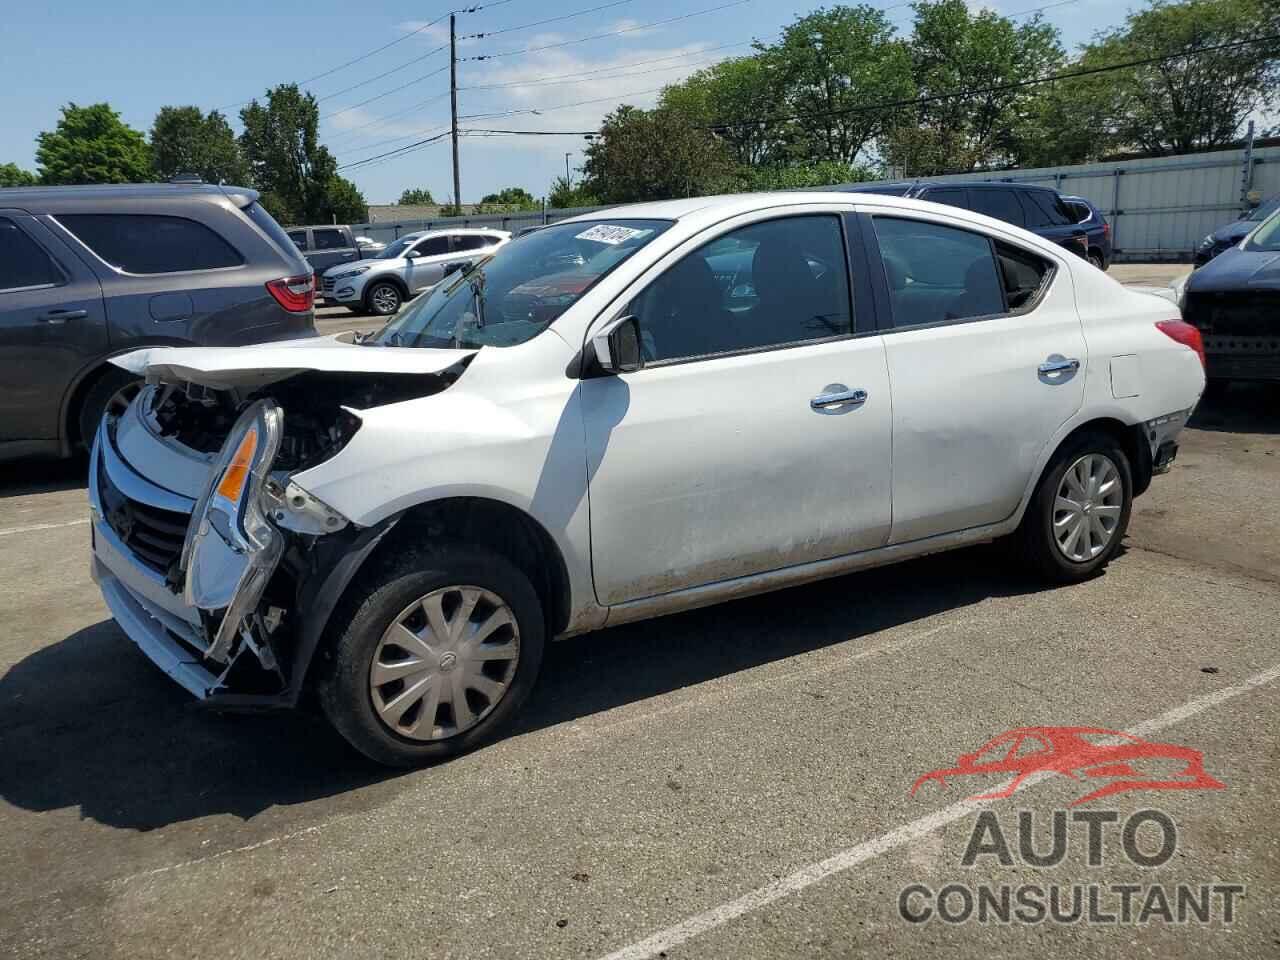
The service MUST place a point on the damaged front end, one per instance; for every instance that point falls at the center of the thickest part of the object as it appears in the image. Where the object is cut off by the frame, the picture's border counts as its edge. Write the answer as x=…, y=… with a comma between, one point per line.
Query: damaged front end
x=219, y=565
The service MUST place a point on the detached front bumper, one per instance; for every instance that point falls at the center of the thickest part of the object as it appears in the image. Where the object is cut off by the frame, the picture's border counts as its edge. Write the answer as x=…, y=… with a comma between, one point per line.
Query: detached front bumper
x=139, y=530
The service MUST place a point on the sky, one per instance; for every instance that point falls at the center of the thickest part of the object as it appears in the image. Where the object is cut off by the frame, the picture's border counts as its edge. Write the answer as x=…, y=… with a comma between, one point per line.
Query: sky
x=140, y=55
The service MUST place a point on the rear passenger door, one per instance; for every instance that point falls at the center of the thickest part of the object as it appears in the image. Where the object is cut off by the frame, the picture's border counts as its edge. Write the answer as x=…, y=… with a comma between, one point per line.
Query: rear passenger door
x=980, y=338
x=51, y=326
x=1048, y=216
x=467, y=249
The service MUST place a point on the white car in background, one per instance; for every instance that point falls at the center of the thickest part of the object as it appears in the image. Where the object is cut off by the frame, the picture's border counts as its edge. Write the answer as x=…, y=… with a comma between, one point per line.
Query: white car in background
x=632, y=413
x=381, y=283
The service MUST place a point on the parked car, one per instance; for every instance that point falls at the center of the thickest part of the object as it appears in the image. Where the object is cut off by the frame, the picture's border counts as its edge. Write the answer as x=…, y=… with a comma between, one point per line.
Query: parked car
x=1230, y=235
x=1234, y=301
x=1041, y=210
x=326, y=245
x=87, y=273
x=620, y=416
x=414, y=263
x=369, y=245
x=1096, y=229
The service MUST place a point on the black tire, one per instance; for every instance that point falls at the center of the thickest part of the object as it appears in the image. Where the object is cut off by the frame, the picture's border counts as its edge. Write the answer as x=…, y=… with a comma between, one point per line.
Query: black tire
x=113, y=388
x=1096, y=259
x=374, y=601
x=1035, y=546
x=380, y=296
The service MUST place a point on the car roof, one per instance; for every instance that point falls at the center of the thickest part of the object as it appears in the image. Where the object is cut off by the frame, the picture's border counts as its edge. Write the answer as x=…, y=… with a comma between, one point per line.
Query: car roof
x=57, y=197
x=451, y=231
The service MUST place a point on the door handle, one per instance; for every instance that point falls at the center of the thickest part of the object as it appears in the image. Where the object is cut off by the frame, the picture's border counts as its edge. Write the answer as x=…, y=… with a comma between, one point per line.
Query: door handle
x=851, y=397
x=348, y=256
x=1060, y=365
x=62, y=316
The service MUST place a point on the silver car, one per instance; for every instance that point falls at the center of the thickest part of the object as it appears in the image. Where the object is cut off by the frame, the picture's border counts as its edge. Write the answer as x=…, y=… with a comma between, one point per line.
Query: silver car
x=416, y=262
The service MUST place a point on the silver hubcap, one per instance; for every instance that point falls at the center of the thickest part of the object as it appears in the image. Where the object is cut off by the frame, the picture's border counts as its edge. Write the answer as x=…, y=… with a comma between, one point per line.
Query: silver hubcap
x=1086, y=511
x=386, y=300
x=444, y=663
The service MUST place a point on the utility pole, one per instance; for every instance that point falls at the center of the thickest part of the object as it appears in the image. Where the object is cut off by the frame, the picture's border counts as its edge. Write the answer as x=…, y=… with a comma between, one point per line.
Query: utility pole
x=453, y=100
x=567, y=181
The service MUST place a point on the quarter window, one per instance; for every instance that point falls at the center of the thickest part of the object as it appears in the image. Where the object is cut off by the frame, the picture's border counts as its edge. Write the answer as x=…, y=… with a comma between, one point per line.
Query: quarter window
x=937, y=273
x=1023, y=275
x=1044, y=209
x=470, y=242
x=141, y=243
x=328, y=239
x=299, y=237
x=22, y=261
x=780, y=282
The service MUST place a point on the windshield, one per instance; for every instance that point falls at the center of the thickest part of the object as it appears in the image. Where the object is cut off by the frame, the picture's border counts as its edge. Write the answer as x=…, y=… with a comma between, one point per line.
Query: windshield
x=1267, y=237
x=398, y=248
x=519, y=292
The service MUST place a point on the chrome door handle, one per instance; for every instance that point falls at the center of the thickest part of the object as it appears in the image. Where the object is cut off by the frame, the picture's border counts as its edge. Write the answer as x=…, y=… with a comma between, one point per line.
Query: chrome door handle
x=851, y=397
x=1059, y=366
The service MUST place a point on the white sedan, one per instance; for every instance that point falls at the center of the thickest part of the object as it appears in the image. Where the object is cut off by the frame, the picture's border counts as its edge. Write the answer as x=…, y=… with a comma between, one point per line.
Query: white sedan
x=620, y=416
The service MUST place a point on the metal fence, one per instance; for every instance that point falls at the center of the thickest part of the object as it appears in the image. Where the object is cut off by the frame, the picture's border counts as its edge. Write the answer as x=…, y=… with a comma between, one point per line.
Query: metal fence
x=1159, y=208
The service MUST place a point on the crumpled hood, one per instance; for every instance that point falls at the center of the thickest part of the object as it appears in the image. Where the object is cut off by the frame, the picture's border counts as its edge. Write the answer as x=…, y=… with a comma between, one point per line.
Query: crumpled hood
x=254, y=366
x=1238, y=270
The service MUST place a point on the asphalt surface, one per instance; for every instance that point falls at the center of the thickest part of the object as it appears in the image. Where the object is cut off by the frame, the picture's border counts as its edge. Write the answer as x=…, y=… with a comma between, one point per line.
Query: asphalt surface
x=726, y=783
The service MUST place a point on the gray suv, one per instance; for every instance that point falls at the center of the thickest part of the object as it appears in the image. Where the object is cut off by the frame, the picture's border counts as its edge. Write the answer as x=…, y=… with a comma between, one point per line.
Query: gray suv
x=87, y=273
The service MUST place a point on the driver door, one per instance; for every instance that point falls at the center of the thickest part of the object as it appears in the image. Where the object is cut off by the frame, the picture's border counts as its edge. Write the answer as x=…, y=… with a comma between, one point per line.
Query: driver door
x=426, y=263
x=731, y=452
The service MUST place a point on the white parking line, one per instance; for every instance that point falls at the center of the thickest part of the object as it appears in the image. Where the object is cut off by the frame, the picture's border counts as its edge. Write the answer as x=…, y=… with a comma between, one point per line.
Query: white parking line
x=700, y=923
x=4, y=532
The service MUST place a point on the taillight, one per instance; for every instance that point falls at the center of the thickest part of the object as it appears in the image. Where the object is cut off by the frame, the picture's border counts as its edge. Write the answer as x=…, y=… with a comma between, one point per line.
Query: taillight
x=1185, y=334
x=295, y=294
x=1106, y=229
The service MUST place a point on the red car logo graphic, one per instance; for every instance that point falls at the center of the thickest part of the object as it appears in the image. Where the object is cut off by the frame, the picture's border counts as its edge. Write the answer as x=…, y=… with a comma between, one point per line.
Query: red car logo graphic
x=1079, y=753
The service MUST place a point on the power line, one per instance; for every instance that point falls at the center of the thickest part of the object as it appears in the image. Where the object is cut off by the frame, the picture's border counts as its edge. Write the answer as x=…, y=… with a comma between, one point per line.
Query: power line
x=539, y=23
x=387, y=73
x=377, y=121
x=612, y=33
x=387, y=93
x=563, y=106
x=391, y=153
x=383, y=143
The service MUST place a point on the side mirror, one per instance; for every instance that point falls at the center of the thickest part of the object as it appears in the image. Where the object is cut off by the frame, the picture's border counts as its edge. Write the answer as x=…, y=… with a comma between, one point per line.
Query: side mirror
x=617, y=346
x=413, y=254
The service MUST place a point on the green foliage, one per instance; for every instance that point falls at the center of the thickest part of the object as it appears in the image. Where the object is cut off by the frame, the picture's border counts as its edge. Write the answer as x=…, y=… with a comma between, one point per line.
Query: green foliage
x=734, y=94
x=417, y=196
x=643, y=154
x=509, y=198
x=185, y=140
x=92, y=145
x=292, y=170
x=565, y=194
x=12, y=175
x=344, y=203
x=451, y=210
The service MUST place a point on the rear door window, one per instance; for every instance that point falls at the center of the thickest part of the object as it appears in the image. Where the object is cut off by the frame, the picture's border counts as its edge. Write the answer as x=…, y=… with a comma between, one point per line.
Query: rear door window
x=1044, y=209
x=470, y=242
x=1001, y=204
x=937, y=273
x=328, y=239
x=1023, y=276
x=432, y=246
x=299, y=237
x=23, y=262
x=951, y=196
x=147, y=244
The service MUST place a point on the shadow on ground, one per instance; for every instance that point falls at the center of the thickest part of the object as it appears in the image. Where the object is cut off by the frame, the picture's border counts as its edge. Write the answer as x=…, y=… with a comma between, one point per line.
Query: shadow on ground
x=89, y=723
x=1240, y=408
x=25, y=477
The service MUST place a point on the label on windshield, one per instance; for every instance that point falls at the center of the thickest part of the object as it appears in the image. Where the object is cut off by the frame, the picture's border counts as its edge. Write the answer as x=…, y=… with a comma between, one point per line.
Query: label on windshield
x=610, y=233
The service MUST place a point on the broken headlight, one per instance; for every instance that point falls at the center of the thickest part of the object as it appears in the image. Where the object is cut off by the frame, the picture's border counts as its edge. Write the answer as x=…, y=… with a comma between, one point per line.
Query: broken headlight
x=231, y=549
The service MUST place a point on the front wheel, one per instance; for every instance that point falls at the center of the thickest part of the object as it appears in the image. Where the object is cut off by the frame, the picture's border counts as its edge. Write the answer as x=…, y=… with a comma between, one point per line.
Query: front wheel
x=1080, y=510
x=435, y=654
x=384, y=298
x=110, y=394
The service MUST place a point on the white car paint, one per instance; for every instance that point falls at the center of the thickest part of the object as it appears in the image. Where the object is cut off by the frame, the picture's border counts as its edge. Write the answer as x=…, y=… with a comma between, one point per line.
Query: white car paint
x=415, y=272
x=681, y=485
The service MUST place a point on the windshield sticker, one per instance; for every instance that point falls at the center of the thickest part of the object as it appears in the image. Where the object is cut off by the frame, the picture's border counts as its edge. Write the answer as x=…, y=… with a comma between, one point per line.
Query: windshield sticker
x=610, y=233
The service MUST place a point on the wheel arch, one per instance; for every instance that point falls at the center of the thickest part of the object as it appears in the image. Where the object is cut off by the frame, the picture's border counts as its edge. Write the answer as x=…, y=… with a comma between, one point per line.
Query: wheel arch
x=394, y=279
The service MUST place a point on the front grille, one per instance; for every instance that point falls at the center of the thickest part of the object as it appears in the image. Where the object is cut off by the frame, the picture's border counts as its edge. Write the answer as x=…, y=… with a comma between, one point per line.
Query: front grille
x=1235, y=314
x=152, y=535
x=328, y=284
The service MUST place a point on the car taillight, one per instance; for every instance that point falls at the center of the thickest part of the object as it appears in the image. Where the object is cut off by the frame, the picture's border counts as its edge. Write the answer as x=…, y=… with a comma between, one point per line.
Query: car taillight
x=1106, y=229
x=295, y=294
x=1185, y=334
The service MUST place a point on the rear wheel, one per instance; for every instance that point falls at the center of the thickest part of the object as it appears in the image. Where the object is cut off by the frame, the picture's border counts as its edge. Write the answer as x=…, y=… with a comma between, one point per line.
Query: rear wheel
x=111, y=393
x=436, y=658
x=384, y=298
x=1080, y=510
x=1096, y=259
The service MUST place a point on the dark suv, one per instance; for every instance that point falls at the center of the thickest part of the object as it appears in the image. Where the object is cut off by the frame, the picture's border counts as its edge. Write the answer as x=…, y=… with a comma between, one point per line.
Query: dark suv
x=87, y=273
x=1038, y=209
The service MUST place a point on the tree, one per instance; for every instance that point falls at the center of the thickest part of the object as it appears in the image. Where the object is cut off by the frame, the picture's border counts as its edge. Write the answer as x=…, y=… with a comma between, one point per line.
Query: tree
x=185, y=140
x=92, y=145
x=731, y=97
x=1199, y=101
x=954, y=50
x=565, y=194
x=344, y=203
x=12, y=175
x=650, y=155
x=833, y=64
x=517, y=197
x=417, y=196
x=288, y=165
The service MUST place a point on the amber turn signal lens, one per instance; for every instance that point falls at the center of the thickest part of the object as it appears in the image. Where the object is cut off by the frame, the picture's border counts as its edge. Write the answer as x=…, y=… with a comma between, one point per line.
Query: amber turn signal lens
x=237, y=474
